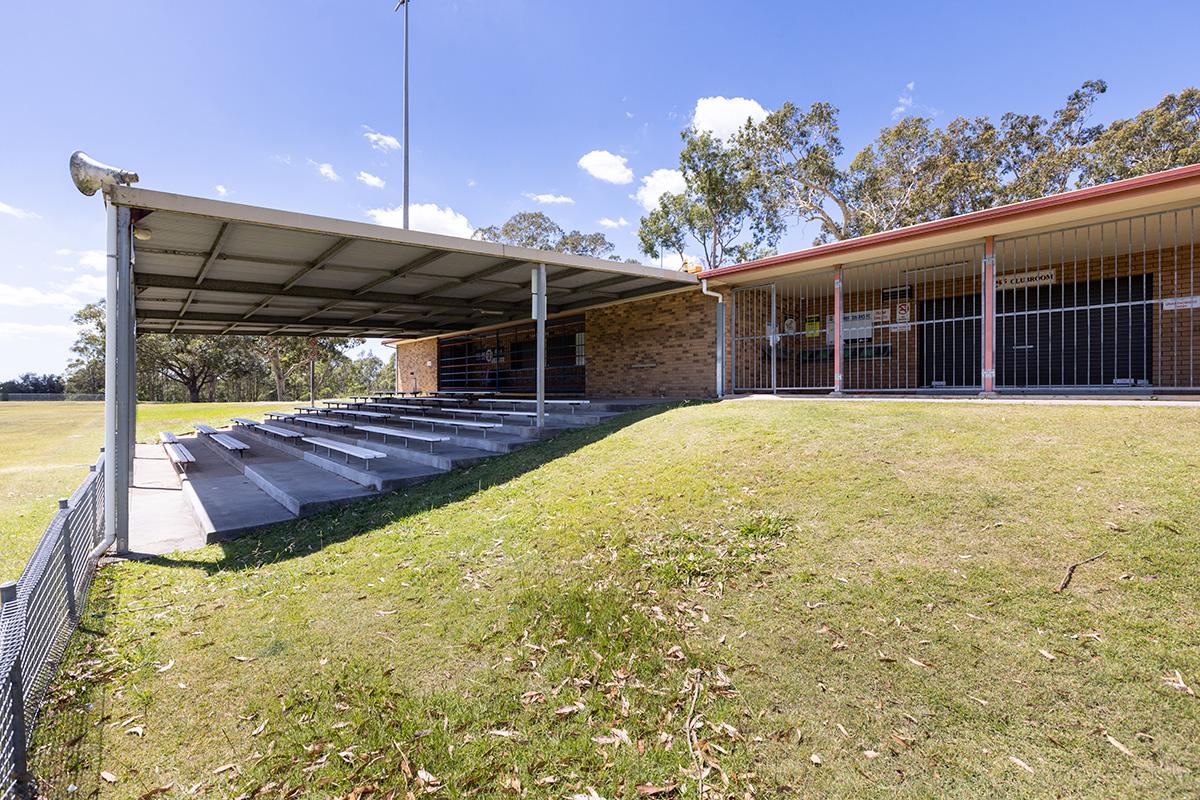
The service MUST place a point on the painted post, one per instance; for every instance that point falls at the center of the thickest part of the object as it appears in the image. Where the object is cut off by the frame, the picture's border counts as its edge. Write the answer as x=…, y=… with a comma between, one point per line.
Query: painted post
x=68, y=559
x=539, y=314
x=988, y=291
x=16, y=690
x=837, y=331
x=118, y=435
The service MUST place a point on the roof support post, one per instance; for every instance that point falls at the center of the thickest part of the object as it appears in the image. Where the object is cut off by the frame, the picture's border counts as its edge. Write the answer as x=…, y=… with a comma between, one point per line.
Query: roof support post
x=119, y=377
x=539, y=315
x=837, y=330
x=987, y=290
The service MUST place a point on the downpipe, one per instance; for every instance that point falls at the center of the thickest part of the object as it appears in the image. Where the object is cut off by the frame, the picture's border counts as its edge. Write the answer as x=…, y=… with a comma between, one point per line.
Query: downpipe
x=720, y=334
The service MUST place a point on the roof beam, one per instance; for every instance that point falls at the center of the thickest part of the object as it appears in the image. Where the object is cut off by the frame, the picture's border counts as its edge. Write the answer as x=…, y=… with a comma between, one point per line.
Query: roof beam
x=159, y=281
x=321, y=261
x=483, y=273
x=411, y=266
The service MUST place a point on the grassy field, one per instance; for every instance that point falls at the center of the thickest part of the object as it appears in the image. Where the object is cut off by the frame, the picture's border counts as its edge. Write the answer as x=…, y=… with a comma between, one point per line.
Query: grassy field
x=45, y=450
x=756, y=599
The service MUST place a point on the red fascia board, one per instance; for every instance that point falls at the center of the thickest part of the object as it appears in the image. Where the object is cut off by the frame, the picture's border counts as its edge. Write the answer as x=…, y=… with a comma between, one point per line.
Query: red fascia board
x=1079, y=197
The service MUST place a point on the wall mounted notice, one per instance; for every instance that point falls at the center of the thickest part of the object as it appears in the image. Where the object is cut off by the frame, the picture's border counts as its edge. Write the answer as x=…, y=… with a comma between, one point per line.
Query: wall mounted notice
x=1180, y=303
x=1021, y=280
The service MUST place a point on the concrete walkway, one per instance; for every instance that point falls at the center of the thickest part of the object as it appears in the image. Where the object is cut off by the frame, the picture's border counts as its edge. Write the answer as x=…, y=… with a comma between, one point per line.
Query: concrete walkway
x=160, y=516
x=1034, y=401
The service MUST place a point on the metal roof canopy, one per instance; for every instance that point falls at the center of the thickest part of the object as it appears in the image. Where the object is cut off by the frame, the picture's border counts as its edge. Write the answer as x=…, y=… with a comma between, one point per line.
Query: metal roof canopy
x=213, y=267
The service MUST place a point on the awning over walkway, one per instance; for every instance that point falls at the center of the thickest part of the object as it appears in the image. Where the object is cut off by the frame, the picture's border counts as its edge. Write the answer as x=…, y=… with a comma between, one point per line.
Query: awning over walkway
x=212, y=267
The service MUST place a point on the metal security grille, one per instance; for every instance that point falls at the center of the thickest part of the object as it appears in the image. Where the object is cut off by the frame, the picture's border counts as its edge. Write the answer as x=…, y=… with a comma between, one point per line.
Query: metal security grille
x=37, y=616
x=754, y=339
x=914, y=323
x=505, y=360
x=1113, y=306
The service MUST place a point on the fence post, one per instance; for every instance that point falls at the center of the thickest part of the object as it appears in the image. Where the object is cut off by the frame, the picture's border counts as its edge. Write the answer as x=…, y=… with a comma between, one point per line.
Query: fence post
x=20, y=757
x=68, y=560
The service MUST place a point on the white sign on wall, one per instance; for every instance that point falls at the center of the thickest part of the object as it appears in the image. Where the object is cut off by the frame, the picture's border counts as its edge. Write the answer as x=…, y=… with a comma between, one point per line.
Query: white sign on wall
x=1021, y=280
x=858, y=325
x=1180, y=303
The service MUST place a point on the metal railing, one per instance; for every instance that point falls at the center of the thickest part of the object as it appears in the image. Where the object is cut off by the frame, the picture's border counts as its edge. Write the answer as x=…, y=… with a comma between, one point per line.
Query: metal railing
x=14, y=396
x=38, y=614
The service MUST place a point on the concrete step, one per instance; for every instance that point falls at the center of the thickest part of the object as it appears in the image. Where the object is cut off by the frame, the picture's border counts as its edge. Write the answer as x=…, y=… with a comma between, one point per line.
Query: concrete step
x=284, y=475
x=223, y=498
x=383, y=475
x=445, y=456
x=496, y=441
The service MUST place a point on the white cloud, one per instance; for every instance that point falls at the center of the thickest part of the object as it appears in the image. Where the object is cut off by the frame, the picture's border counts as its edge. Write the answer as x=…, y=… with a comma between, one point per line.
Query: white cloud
x=381, y=141
x=606, y=166
x=724, y=116
x=550, y=199
x=221, y=190
x=370, y=180
x=656, y=184
x=428, y=217
x=326, y=170
x=609, y=222
x=32, y=296
x=19, y=213
x=904, y=102
x=471, y=183
x=84, y=289
x=89, y=259
x=673, y=261
x=27, y=331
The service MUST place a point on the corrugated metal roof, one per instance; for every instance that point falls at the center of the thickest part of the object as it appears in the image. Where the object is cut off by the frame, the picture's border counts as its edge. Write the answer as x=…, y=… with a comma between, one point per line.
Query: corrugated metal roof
x=215, y=267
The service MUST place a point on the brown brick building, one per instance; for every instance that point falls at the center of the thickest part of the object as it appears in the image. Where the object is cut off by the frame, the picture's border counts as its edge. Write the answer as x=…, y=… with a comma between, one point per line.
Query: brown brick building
x=1091, y=291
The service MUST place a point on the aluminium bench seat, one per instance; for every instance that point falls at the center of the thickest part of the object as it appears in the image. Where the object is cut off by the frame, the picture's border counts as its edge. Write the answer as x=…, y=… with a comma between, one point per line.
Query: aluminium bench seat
x=273, y=430
x=230, y=443
x=320, y=422
x=364, y=414
x=179, y=455
x=483, y=427
x=401, y=433
x=348, y=450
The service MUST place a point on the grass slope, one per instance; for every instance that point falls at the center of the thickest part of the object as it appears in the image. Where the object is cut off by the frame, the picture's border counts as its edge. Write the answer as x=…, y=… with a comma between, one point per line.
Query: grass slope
x=806, y=599
x=45, y=450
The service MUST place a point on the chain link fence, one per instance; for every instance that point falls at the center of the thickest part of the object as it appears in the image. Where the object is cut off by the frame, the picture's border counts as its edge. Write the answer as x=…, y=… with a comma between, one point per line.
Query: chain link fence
x=38, y=614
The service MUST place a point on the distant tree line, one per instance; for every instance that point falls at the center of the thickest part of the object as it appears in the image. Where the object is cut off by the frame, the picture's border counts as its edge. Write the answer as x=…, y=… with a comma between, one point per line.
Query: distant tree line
x=196, y=368
x=32, y=383
x=741, y=193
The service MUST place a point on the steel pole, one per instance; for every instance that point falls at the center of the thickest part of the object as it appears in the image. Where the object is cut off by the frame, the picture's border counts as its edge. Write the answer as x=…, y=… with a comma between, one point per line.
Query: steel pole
x=988, y=292
x=837, y=330
x=118, y=437
x=539, y=313
x=406, y=5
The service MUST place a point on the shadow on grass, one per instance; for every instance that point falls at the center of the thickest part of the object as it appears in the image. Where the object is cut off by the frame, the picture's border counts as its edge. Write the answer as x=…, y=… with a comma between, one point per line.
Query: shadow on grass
x=66, y=753
x=63, y=755
x=295, y=538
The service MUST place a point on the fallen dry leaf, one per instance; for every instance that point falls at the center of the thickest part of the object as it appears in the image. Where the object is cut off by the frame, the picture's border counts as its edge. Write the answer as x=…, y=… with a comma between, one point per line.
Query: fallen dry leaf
x=1176, y=682
x=156, y=791
x=1021, y=764
x=166, y=666
x=1109, y=738
x=1046, y=654
x=108, y=776
x=224, y=768
x=650, y=790
x=816, y=759
x=870, y=754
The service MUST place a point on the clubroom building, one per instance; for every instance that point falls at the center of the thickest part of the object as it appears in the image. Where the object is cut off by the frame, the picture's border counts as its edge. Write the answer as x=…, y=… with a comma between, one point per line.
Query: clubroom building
x=1093, y=291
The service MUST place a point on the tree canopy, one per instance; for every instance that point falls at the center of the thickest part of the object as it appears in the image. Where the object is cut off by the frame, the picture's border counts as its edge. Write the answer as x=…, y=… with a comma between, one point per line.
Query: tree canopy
x=791, y=166
x=536, y=230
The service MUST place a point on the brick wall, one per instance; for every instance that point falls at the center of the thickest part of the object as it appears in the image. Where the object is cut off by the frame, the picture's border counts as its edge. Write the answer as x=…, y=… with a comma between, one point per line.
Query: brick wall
x=660, y=347
x=419, y=357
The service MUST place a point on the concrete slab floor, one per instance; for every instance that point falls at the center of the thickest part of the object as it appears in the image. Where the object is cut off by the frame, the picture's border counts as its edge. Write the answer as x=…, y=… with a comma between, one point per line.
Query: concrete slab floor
x=160, y=517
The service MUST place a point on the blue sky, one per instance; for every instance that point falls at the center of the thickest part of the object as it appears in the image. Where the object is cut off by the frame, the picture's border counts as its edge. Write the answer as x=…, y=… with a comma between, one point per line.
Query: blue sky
x=249, y=100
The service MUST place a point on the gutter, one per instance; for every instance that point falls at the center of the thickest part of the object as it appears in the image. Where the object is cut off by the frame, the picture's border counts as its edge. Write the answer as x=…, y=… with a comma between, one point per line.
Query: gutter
x=720, y=334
